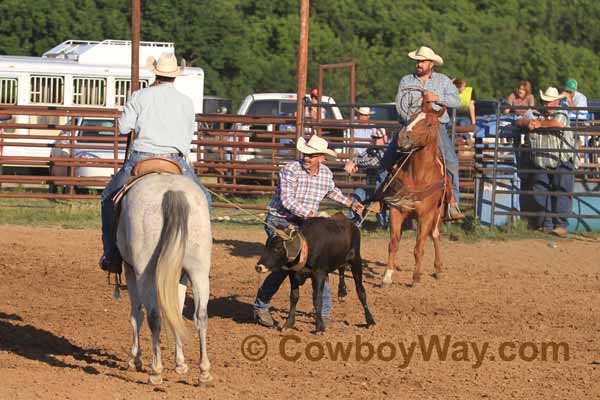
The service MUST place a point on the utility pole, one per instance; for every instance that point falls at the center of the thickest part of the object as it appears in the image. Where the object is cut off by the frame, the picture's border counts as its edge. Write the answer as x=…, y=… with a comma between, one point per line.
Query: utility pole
x=302, y=64
x=135, y=45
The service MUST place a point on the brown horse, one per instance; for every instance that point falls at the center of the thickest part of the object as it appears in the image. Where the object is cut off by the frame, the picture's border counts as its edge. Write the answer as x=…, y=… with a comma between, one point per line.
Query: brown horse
x=419, y=186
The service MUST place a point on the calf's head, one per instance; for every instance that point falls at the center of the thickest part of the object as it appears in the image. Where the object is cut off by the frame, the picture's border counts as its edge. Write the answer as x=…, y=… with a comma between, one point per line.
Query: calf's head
x=281, y=250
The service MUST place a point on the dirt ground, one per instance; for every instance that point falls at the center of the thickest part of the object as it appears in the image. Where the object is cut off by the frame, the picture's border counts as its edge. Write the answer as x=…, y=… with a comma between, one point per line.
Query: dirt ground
x=62, y=336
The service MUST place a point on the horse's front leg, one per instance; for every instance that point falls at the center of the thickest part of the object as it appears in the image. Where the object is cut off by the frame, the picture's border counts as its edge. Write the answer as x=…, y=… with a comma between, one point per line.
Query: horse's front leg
x=435, y=237
x=136, y=318
x=396, y=219
x=425, y=222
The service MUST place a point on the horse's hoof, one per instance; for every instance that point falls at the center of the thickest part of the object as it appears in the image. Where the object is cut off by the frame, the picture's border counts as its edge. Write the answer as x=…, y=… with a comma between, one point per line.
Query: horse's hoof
x=437, y=275
x=416, y=278
x=386, y=284
x=182, y=369
x=155, y=379
x=206, y=380
x=134, y=364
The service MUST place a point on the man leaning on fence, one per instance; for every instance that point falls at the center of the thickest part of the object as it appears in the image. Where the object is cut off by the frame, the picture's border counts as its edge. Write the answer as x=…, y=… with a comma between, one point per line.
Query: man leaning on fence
x=164, y=123
x=555, y=167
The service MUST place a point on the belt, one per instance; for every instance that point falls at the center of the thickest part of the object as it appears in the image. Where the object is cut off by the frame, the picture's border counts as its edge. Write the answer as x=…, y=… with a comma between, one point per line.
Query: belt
x=144, y=153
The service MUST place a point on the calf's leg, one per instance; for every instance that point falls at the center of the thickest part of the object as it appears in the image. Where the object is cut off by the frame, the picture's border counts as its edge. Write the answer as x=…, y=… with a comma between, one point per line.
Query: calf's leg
x=360, y=289
x=318, y=283
x=294, y=296
x=342, y=292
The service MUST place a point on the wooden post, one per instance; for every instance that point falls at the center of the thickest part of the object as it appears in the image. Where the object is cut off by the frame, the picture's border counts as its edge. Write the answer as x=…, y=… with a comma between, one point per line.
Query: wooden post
x=302, y=63
x=135, y=45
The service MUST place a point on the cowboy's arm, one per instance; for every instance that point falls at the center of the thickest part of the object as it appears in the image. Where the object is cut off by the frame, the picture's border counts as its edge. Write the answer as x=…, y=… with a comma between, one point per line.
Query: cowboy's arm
x=287, y=182
x=129, y=116
x=404, y=83
x=336, y=194
x=449, y=95
x=366, y=160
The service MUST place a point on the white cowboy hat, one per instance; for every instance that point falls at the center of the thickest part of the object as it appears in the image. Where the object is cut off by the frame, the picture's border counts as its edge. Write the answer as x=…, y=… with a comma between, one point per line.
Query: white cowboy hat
x=315, y=145
x=365, y=111
x=551, y=94
x=165, y=66
x=425, y=53
x=377, y=133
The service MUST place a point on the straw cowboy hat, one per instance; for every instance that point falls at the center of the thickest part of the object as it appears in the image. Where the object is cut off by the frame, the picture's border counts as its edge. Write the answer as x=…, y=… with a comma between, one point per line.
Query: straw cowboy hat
x=315, y=145
x=425, y=53
x=551, y=94
x=377, y=133
x=165, y=66
x=365, y=111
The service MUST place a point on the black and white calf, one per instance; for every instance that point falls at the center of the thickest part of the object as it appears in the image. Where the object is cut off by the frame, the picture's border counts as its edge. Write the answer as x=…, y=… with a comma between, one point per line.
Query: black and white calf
x=318, y=247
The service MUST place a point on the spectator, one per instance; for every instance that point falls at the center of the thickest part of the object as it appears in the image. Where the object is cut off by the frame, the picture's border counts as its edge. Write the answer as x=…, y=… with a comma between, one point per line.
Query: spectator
x=313, y=111
x=573, y=98
x=521, y=97
x=364, y=113
x=556, y=168
x=467, y=101
x=369, y=160
x=302, y=185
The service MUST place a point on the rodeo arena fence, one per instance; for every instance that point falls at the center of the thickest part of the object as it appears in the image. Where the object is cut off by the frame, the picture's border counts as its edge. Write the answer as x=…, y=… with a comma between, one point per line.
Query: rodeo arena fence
x=71, y=152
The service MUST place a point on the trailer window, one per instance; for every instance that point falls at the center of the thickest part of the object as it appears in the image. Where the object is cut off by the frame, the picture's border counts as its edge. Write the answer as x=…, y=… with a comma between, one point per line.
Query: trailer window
x=8, y=91
x=47, y=89
x=123, y=90
x=89, y=91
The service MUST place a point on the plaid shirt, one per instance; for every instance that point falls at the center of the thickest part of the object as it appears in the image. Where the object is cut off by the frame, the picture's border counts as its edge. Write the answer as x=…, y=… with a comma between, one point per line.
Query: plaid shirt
x=370, y=160
x=297, y=193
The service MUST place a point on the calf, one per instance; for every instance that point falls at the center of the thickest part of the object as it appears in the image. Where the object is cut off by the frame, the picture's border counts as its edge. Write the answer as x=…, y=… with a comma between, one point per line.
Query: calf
x=318, y=247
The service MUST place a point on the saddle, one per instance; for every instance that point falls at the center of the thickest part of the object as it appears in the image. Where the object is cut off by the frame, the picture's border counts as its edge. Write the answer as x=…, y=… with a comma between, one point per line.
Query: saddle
x=145, y=167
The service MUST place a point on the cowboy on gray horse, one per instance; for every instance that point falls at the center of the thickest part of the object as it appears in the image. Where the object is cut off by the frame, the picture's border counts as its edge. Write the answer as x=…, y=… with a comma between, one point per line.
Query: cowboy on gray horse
x=164, y=123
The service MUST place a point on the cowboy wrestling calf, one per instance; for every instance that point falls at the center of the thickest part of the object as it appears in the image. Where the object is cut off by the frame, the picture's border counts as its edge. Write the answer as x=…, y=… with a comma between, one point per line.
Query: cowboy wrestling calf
x=318, y=247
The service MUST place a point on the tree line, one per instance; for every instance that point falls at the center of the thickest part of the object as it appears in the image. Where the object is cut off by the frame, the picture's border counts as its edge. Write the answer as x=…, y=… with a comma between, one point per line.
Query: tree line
x=248, y=46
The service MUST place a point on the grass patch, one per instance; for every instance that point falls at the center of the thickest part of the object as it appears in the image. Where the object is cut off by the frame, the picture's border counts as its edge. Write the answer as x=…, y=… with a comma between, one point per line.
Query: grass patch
x=70, y=214
x=85, y=214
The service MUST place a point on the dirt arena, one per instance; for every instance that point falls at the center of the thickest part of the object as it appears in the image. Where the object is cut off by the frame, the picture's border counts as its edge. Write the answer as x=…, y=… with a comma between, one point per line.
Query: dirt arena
x=62, y=336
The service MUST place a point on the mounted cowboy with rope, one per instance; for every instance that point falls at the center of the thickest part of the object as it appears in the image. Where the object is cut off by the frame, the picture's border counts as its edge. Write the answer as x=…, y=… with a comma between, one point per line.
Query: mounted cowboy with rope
x=427, y=86
x=420, y=183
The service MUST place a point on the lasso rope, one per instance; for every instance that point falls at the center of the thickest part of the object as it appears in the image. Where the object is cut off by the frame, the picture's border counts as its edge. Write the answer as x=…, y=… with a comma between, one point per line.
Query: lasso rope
x=279, y=231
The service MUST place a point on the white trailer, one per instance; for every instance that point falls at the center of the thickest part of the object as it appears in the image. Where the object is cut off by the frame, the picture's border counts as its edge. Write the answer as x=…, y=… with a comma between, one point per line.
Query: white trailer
x=79, y=73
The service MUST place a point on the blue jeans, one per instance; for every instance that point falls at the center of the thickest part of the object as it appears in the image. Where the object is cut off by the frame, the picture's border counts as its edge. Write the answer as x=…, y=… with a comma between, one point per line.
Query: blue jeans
x=118, y=181
x=547, y=182
x=362, y=195
x=273, y=281
x=446, y=147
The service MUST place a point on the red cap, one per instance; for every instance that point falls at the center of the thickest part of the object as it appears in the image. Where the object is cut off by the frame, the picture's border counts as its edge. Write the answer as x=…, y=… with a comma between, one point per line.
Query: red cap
x=314, y=93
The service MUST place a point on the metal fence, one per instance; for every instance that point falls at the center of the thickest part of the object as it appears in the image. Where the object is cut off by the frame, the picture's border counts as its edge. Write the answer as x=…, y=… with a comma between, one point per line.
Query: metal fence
x=49, y=155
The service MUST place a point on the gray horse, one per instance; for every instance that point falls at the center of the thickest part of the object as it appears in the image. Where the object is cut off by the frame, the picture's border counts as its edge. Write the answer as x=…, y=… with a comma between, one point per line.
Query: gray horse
x=165, y=240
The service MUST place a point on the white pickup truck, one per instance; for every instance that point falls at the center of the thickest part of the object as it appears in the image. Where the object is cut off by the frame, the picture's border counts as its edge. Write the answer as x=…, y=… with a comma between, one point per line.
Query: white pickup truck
x=279, y=105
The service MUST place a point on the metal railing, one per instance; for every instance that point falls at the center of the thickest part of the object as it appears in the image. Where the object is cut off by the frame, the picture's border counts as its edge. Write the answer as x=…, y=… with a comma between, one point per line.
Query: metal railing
x=232, y=154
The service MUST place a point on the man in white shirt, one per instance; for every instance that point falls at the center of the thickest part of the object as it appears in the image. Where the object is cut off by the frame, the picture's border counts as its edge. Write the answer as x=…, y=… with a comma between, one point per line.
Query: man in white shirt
x=164, y=123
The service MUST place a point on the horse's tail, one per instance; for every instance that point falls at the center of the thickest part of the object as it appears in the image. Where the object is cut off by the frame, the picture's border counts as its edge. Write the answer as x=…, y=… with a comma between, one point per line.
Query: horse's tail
x=171, y=250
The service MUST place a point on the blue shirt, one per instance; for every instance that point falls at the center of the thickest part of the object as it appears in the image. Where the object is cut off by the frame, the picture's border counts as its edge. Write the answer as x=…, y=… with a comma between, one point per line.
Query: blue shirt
x=163, y=119
x=408, y=102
